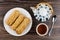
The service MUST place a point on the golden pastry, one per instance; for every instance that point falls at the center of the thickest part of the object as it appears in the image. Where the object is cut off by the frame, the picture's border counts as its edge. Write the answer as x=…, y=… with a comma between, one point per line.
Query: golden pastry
x=12, y=17
x=22, y=26
x=17, y=22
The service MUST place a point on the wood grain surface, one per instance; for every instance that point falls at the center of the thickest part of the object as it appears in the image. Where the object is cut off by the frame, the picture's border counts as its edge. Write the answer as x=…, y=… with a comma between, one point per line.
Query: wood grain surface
x=6, y=5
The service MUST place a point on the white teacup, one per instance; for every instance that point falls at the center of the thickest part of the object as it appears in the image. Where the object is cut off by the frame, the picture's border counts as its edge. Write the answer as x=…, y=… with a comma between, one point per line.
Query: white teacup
x=42, y=29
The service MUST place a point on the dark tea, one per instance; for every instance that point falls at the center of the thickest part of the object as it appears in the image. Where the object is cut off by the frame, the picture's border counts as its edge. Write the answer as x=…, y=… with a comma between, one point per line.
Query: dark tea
x=42, y=29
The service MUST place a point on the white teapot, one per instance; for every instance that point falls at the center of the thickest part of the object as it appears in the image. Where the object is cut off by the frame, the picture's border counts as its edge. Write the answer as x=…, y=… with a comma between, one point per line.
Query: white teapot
x=43, y=11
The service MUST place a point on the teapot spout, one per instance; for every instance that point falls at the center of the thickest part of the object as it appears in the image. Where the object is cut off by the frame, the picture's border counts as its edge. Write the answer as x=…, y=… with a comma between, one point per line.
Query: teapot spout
x=33, y=8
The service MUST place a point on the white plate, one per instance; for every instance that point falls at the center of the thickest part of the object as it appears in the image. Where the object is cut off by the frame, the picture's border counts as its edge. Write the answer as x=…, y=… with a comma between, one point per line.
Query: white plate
x=12, y=32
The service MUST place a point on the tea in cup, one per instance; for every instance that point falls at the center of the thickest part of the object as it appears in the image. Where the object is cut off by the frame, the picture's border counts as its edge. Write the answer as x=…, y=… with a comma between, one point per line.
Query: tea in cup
x=42, y=29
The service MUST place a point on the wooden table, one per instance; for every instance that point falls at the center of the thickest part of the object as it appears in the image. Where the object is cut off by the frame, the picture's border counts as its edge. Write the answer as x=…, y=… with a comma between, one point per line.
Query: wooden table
x=6, y=5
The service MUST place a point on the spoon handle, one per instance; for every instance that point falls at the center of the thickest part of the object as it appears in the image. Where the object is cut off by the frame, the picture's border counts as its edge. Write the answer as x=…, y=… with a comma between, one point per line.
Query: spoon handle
x=53, y=20
x=51, y=29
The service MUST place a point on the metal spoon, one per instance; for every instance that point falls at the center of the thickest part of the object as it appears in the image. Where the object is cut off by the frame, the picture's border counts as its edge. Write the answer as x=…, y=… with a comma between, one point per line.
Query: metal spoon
x=53, y=21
